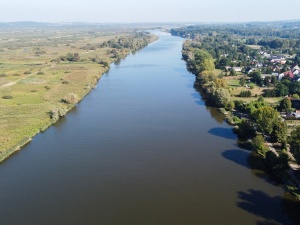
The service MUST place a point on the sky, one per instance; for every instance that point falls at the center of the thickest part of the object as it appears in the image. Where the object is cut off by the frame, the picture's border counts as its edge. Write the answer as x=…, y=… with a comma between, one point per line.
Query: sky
x=148, y=11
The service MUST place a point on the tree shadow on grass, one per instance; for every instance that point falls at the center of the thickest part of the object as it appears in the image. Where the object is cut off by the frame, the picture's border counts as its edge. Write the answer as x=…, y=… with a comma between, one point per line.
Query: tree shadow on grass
x=223, y=132
x=262, y=205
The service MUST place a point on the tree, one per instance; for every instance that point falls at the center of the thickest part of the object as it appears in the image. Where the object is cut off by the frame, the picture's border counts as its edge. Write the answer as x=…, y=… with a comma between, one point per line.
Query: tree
x=220, y=83
x=220, y=97
x=294, y=141
x=258, y=144
x=281, y=89
x=279, y=133
x=273, y=80
x=242, y=81
x=245, y=129
x=285, y=105
x=232, y=72
x=256, y=77
x=266, y=117
x=203, y=61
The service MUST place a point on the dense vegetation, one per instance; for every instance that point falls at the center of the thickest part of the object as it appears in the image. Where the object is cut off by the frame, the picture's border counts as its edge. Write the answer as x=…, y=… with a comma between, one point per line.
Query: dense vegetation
x=248, y=56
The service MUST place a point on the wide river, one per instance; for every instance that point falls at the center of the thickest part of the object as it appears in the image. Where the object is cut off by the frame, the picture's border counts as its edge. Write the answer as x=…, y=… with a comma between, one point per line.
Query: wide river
x=140, y=149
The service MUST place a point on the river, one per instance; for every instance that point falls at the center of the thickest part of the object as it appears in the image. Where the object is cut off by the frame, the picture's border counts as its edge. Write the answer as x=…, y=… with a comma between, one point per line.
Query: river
x=141, y=149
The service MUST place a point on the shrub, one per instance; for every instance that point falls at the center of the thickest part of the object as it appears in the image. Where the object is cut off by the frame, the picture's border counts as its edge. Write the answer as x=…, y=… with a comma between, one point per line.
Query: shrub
x=40, y=73
x=57, y=112
x=70, y=98
x=27, y=72
x=17, y=75
x=245, y=94
x=3, y=75
x=7, y=97
x=65, y=82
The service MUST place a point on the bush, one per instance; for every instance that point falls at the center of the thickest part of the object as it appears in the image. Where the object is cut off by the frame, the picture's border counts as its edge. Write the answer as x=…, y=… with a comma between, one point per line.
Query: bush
x=65, y=82
x=27, y=72
x=70, y=98
x=7, y=97
x=245, y=94
x=3, y=75
x=40, y=73
x=17, y=75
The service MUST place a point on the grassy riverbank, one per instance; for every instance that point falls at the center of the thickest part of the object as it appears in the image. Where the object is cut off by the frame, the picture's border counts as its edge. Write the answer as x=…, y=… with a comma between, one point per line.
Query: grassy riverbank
x=40, y=82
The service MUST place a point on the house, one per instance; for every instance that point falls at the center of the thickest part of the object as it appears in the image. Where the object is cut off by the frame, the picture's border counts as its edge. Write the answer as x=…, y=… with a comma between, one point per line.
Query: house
x=296, y=72
x=259, y=65
x=295, y=68
x=280, y=76
x=237, y=69
x=252, y=70
x=289, y=74
x=277, y=59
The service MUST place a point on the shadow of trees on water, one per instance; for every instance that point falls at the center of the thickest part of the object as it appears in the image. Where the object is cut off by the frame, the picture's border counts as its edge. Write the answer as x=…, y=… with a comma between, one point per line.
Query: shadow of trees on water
x=269, y=208
x=223, y=132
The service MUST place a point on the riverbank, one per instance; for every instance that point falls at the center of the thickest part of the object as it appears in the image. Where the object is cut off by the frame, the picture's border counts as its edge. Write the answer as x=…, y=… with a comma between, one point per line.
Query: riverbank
x=249, y=118
x=42, y=82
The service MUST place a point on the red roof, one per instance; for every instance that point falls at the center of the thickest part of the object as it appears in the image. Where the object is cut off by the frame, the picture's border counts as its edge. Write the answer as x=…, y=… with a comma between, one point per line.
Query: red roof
x=289, y=74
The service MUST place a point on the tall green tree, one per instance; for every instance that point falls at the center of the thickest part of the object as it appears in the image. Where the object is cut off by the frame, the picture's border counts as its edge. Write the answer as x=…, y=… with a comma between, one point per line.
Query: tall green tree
x=285, y=105
x=294, y=141
x=258, y=143
x=242, y=81
x=279, y=133
x=266, y=117
x=203, y=61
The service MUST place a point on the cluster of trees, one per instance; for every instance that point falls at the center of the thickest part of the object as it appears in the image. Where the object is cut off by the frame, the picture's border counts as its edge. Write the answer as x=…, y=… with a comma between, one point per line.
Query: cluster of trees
x=246, y=94
x=133, y=42
x=201, y=63
x=71, y=57
x=283, y=88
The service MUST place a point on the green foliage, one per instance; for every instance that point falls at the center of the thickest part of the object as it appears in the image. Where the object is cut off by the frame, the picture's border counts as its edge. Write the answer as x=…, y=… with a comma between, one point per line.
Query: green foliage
x=277, y=164
x=285, y=105
x=203, y=61
x=220, y=97
x=232, y=72
x=7, y=97
x=266, y=117
x=242, y=81
x=256, y=77
x=245, y=129
x=294, y=141
x=279, y=133
x=258, y=144
x=245, y=94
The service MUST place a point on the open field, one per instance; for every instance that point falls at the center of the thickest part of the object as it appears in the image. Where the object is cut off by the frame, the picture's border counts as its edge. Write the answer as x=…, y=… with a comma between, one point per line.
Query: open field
x=36, y=85
x=233, y=83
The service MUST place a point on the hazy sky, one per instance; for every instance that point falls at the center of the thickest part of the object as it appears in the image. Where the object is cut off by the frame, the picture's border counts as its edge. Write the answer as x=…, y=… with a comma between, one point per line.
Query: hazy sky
x=148, y=11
